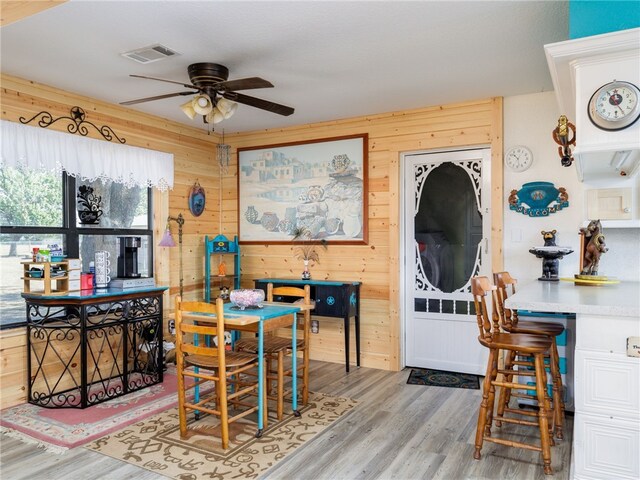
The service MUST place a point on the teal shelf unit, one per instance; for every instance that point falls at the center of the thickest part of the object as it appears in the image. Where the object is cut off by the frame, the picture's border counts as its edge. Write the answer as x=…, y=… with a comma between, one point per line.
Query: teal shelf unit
x=229, y=250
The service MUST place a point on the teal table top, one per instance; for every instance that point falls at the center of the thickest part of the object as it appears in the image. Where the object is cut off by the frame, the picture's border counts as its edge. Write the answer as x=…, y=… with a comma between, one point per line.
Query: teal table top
x=295, y=281
x=95, y=293
x=265, y=313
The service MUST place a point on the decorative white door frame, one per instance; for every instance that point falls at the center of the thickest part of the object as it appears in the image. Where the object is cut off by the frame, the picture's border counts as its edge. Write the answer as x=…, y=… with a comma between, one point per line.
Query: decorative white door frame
x=416, y=166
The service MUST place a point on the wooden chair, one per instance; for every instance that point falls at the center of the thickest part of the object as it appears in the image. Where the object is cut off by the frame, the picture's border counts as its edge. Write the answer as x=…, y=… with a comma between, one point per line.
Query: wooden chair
x=512, y=324
x=196, y=357
x=533, y=345
x=276, y=347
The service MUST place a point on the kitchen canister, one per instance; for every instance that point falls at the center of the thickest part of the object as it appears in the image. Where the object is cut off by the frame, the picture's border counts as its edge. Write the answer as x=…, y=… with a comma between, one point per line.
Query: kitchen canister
x=103, y=268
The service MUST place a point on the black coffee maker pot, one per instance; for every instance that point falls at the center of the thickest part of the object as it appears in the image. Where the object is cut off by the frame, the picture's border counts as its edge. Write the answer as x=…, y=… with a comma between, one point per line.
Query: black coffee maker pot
x=128, y=257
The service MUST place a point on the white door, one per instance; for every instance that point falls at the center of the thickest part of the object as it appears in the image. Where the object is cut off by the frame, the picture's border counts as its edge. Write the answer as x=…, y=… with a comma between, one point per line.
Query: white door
x=447, y=231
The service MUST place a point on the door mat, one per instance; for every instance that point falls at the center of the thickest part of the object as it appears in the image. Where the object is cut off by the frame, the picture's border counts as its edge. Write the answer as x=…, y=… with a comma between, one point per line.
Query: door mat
x=58, y=429
x=155, y=444
x=440, y=378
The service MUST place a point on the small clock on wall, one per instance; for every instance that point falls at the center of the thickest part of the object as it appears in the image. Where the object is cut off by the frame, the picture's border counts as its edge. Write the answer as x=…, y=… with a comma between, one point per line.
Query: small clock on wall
x=615, y=106
x=518, y=158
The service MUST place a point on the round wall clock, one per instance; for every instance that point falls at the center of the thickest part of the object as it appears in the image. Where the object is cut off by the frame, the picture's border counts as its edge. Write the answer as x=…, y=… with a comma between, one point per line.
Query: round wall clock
x=518, y=158
x=615, y=106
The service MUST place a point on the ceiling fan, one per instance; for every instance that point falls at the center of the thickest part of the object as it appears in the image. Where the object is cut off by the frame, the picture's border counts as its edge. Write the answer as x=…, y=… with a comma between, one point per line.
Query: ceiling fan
x=214, y=95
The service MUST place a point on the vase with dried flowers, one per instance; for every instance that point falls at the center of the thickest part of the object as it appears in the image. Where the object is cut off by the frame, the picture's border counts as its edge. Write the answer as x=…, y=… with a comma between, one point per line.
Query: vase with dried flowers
x=306, y=248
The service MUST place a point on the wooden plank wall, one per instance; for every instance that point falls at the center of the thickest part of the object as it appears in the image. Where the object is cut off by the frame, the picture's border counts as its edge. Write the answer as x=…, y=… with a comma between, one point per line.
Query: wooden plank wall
x=12, y=11
x=376, y=265
x=194, y=159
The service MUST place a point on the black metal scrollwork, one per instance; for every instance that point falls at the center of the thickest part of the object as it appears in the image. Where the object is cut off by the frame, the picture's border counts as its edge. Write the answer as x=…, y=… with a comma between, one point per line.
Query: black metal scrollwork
x=123, y=344
x=78, y=124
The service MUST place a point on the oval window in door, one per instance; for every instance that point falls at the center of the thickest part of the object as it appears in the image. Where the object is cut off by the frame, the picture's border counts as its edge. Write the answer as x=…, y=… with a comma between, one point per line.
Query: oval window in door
x=448, y=227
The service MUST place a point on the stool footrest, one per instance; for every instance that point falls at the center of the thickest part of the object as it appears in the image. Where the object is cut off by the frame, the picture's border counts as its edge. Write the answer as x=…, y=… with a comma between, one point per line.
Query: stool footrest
x=516, y=421
x=512, y=443
x=521, y=412
x=519, y=386
x=522, y=373
x=524, y=395
x=523, y=363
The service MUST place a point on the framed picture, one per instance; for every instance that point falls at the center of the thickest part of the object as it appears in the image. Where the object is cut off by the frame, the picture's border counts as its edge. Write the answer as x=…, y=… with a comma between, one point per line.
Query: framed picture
x=316, y=185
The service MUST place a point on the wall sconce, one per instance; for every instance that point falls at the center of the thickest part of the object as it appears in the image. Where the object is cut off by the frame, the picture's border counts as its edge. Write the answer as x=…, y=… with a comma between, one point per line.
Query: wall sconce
x=168, y=241
x=565, y=136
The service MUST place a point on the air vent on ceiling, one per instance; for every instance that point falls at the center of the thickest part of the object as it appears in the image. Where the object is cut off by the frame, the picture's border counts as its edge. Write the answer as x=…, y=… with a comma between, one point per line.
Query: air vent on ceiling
x=149, y=54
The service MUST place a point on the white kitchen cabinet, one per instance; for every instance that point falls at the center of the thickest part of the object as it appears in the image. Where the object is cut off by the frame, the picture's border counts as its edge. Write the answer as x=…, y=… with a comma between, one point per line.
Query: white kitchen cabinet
x=609, y=204
x=578, y=68
x=610, y=384
x=605, y=447
x=606, y=436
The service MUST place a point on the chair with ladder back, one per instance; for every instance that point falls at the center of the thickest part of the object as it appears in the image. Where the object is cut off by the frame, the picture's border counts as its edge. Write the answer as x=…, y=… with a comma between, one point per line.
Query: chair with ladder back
x=497, y=342
x=234, y=374
x=512, y=324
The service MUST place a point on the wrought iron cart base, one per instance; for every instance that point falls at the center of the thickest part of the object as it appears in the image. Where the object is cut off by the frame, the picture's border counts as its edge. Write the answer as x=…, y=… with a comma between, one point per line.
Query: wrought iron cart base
x=88, y=348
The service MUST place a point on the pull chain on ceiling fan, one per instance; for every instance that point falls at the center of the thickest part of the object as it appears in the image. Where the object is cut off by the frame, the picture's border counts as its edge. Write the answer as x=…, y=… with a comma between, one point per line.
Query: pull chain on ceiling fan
x=215, y=97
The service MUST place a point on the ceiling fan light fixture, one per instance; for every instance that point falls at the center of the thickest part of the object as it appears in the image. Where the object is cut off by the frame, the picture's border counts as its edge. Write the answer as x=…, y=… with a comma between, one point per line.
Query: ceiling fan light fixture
x=226, y=107
x=188, y=110
x=202, y=104
x=215, y=116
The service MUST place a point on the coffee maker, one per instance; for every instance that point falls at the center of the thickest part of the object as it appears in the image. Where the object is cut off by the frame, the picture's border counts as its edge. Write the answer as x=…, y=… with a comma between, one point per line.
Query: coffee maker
x=128, y=257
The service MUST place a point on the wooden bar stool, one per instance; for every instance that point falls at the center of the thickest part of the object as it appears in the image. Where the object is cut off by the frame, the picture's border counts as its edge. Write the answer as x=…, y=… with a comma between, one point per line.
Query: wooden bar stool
x=276, y=348
x=551, y=330
x=532, y=345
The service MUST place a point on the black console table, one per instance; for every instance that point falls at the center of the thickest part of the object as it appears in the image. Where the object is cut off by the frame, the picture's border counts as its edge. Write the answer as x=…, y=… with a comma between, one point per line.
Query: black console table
x=333, y=299
x=91, y=346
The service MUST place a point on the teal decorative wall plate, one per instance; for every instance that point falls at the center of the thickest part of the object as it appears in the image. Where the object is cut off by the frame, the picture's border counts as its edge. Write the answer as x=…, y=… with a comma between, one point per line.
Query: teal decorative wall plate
x=538, y=199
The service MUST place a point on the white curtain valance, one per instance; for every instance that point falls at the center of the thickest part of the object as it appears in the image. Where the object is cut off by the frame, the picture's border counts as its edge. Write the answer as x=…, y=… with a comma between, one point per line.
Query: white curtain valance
x=83, y=157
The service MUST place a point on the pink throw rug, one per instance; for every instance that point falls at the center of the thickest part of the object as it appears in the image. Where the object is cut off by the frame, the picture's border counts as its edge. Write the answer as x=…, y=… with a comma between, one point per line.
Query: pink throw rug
x=63, y=428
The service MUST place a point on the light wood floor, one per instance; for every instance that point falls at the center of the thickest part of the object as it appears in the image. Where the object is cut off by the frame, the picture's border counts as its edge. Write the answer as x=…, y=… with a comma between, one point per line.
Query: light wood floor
x=397, y=431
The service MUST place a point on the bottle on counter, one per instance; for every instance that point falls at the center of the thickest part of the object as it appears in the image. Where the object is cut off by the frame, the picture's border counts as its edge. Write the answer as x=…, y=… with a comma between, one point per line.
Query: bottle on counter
x=92, y=271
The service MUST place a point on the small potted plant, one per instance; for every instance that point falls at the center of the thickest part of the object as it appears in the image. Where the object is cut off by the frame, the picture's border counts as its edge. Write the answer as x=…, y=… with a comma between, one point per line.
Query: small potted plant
x=305, y=248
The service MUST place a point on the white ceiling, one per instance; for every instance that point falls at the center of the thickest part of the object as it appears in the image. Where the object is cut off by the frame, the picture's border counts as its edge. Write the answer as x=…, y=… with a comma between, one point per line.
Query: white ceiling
x=328, y=60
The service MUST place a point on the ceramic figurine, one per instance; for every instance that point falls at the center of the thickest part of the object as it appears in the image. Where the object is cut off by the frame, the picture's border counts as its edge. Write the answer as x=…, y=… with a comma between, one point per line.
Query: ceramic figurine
x=224, y=292
x=550, y=254
x=592, y=245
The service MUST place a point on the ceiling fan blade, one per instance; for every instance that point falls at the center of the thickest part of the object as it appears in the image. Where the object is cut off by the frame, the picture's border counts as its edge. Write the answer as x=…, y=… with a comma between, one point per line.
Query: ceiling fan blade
x=243, y=84
x=259, y=103
x=157, y=97
x=163, y=80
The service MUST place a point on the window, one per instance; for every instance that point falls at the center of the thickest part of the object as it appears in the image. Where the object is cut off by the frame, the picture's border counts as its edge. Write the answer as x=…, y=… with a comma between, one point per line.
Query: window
x=39, y=209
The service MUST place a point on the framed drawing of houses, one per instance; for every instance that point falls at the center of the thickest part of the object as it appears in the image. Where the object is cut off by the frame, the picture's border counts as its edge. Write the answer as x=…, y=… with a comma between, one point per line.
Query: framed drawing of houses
x=316, y=185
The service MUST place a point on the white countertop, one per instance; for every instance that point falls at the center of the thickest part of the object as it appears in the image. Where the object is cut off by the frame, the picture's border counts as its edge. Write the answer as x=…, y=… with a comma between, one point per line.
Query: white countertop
x=622, y=299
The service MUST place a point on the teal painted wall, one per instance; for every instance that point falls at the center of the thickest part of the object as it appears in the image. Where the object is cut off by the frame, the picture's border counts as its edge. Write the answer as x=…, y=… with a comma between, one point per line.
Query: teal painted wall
x=593, y=17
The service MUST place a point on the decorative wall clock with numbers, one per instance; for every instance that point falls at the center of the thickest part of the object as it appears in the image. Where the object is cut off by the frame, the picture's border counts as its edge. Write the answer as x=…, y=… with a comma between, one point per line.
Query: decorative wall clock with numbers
x=615, y=105
x=518, y=158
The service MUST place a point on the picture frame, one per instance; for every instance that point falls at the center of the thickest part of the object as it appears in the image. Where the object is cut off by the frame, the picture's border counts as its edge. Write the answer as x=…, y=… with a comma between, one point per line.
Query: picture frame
x=319, y=185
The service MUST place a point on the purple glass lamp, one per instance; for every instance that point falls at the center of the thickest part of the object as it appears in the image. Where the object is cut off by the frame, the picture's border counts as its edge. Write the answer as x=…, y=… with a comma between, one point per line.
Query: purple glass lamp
x=168, y=241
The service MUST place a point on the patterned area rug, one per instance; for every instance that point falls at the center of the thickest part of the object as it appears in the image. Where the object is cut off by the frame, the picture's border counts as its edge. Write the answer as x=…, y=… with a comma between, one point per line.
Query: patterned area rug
x=155, y=443
x=63, y=428
x=440, y=378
